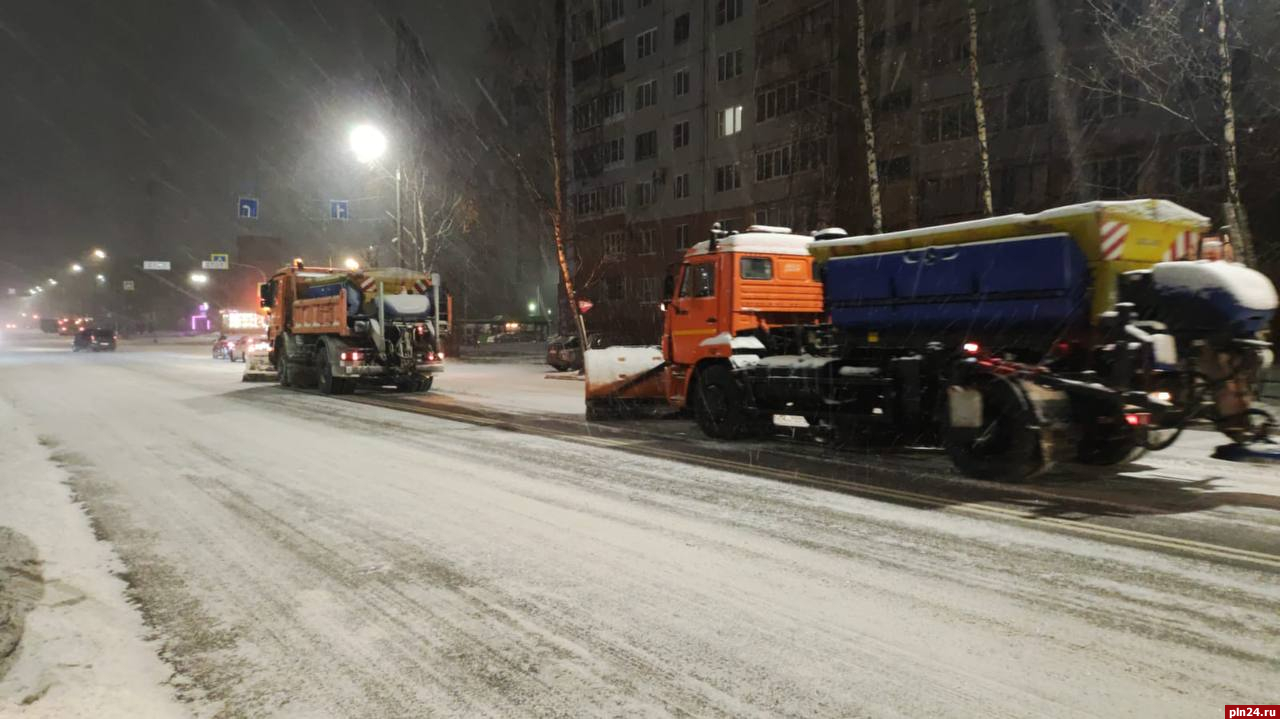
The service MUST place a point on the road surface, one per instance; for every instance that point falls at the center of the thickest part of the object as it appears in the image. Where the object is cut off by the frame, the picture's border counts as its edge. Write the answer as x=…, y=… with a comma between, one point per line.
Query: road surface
x=211, y=548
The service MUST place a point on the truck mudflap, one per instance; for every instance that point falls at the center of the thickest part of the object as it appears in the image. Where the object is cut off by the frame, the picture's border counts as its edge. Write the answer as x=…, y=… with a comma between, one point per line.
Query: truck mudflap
x=1007, y=429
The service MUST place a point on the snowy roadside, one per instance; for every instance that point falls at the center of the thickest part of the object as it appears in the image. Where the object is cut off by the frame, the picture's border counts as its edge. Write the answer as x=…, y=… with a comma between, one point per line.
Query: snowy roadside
x=82, y=653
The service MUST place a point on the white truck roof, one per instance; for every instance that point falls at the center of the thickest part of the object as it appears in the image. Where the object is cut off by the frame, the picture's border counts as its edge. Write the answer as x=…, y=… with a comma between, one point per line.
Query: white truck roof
x=772, y=243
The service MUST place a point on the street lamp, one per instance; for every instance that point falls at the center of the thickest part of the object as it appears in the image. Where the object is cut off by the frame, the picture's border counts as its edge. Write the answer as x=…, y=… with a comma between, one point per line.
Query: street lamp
x=102, y=279
x=53, y=282
x=369, y=145
x=351, y=264
x=76, y=268
x=198, y=278
x=98, y=254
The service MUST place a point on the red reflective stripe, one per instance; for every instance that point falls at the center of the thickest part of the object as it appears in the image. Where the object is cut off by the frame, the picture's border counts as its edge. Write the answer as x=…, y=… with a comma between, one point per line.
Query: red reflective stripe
x=1114, y=235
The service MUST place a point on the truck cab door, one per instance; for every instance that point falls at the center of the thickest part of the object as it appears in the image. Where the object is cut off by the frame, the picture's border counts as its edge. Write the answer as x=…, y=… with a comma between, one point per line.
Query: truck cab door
x=694, y=311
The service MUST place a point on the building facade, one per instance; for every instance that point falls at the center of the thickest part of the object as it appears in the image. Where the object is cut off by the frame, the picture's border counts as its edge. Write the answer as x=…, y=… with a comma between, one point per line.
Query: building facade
x=684, y=113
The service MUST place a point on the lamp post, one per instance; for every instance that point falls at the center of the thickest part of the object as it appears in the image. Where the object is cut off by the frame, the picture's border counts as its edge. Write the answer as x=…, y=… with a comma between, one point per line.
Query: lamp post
x=369, y=145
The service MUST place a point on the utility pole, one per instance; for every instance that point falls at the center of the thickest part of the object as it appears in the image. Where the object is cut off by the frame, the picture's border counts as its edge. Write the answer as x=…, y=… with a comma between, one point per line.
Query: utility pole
x=399, y=223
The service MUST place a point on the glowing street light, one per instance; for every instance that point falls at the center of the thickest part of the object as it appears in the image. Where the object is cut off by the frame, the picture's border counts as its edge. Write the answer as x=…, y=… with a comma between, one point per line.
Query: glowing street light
x=533, y=307
x=76, y=268
x=98, y=254
x=368, y=143
x=198, y=278
x=102, y=279
x=53, y=282
x=351, y=264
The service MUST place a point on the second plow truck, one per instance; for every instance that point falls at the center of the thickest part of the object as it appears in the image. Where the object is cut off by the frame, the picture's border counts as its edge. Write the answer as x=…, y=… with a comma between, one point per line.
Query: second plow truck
x=1087, y=333
x=339, y=329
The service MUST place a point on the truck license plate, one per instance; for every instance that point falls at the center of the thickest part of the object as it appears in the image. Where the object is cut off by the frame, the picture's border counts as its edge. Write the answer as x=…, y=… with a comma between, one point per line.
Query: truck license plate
x=790, y=420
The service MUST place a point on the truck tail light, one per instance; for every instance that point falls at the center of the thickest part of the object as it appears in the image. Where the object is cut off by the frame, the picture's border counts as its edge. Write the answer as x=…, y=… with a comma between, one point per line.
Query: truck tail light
x=352, y=356
x=971, y=348
x=1137, y=419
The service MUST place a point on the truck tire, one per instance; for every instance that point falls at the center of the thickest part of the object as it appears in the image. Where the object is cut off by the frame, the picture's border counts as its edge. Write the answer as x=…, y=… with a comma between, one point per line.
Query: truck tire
x=418, y=384
x=283, y=373
x=718, y=405
x=326, y=382
x=1006, y=448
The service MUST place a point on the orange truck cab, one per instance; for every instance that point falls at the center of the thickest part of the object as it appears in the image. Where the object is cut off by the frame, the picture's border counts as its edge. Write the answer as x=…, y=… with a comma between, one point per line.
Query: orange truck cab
x=726, y=289
x=730, y=286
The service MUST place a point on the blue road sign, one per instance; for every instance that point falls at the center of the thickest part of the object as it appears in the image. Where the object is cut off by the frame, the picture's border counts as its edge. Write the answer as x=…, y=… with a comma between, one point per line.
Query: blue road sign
x=338, y=210
x=248, y=208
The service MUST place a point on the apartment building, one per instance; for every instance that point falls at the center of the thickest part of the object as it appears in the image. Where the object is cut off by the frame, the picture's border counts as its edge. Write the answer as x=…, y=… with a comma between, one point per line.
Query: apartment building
x=685, y=113
x=680, y=117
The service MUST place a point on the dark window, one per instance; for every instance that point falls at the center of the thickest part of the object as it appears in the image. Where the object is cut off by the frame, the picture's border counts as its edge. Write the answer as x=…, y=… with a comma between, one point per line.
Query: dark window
x=646, y=145
x=680, y=134
x=680, y=82
x=613, y=58
x=615, y=288
x=757, y=268
x=584, y=68
x=728, y=10
x=681, y=34
x=896, y=169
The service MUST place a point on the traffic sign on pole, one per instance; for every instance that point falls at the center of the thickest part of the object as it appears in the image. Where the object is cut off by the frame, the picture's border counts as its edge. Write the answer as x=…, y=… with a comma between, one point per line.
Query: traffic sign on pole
x=217, y=261
x=247, y=208
x=157, y=265
x=339, y=210
x=127, y=285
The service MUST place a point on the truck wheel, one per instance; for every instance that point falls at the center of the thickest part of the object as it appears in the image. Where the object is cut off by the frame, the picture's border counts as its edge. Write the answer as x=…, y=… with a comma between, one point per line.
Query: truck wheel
x=418, y=384
x=718, y=405
x=1006, y=448
x=283, y=374
x=325, y=381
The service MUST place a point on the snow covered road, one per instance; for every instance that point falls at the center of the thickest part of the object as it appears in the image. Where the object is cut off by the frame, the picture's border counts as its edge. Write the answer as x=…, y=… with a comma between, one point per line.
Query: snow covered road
x=296, y=555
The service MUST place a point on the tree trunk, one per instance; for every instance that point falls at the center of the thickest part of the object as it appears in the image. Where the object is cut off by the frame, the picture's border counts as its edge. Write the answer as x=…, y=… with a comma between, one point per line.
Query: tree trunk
x=557, y=210
x=868, y=125
x=979, y=110
x=1242, y=240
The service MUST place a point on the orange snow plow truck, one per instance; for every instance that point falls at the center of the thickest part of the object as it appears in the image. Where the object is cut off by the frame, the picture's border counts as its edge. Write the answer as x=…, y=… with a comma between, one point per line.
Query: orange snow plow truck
x=338, y=329
x=1089, y=333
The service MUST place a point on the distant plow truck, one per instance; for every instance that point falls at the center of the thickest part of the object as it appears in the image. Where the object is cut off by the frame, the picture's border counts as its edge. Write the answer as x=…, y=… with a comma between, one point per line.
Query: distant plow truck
x=338, y=330
x=1090, y=333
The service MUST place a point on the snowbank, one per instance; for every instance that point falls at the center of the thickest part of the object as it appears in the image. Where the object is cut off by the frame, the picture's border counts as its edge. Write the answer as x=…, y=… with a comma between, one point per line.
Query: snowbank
x=82, y=653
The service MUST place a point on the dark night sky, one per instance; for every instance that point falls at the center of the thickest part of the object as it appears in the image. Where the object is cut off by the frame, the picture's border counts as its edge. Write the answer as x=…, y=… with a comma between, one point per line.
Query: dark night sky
x=135, y=124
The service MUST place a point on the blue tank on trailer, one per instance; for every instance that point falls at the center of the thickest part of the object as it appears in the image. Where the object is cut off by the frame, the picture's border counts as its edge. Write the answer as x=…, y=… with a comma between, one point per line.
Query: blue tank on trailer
x=1019, y=292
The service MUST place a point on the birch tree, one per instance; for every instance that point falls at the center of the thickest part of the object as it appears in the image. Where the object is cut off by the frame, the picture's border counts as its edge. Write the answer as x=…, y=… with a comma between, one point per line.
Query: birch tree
x=868, y=122
x=979, y=110
x=1176, y=56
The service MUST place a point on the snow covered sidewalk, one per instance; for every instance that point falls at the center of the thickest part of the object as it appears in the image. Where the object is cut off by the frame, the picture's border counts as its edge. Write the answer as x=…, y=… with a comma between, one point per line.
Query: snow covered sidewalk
x=82, y=653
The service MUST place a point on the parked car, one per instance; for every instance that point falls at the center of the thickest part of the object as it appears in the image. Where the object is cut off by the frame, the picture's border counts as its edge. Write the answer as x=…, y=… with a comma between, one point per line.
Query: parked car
x=222, y=347
x=95, y=339
x=564, y=353
x=241, y=346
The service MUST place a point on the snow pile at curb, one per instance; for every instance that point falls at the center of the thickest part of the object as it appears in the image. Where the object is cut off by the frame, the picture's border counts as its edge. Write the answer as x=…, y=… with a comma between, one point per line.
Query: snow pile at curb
x=82, y=652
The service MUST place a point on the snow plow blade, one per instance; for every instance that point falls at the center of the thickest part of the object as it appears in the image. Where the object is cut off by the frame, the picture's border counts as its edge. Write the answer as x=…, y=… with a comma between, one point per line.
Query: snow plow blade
x=257, y=367
x=622, y=380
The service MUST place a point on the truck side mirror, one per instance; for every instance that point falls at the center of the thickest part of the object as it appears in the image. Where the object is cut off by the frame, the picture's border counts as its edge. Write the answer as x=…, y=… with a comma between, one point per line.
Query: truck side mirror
x=668, y=287
x=266, y=295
